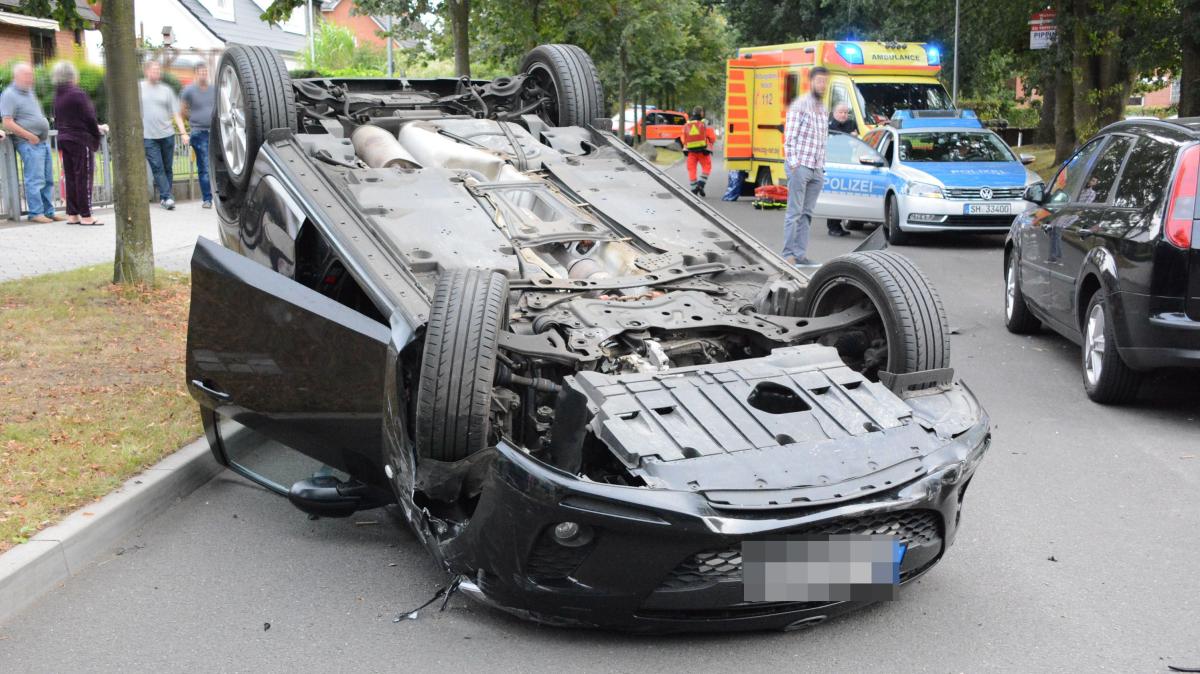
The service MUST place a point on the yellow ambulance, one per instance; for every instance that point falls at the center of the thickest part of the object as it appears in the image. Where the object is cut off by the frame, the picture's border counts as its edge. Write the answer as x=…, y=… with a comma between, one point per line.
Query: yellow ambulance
x=874, y=78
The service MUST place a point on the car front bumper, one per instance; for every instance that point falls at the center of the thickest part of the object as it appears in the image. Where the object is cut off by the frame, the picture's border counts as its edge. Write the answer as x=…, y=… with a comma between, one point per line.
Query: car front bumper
x=953, y=216
x=668, y=561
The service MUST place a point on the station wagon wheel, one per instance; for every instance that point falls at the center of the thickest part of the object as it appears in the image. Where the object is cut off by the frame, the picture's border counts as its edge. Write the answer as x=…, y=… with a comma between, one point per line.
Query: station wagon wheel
x=458, y=364
x=568, y=75
x=1017, y=316
x=254, y=95
x=908, y=332
x=1106, y=377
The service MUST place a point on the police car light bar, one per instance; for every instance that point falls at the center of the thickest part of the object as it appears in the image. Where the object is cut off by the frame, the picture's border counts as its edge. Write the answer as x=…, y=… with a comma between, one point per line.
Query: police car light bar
x=917, y=119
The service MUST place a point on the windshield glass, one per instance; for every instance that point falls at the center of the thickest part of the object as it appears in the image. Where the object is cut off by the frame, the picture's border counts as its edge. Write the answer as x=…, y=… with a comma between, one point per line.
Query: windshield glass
x=949, y=146
x=879, y=100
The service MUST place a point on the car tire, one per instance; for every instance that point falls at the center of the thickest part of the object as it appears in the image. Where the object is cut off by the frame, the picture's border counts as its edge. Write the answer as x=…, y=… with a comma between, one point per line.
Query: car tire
x=570, y=75
x=1017, y=317
x=1106, y=377
x=458, y=364
x=891, y=223
x=253, y=96
x=909, y=310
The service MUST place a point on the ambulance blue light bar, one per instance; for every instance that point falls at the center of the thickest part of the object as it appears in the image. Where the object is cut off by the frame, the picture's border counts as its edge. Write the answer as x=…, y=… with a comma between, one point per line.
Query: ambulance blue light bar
x=851, y=52
x=933, y=55
x=927, y=119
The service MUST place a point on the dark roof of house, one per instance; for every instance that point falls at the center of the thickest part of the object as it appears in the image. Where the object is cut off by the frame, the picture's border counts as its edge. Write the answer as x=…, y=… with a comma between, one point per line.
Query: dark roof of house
x=81, y=8
x=248, y=29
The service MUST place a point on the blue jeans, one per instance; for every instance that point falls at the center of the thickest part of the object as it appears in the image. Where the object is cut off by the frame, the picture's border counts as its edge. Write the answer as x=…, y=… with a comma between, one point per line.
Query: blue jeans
x=39, y=177
x=160, y=153
x=200, y=149
x=804, y=186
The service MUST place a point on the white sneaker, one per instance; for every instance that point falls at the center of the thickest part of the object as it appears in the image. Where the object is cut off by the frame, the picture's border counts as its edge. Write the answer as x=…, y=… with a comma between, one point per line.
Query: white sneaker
x=168, y=204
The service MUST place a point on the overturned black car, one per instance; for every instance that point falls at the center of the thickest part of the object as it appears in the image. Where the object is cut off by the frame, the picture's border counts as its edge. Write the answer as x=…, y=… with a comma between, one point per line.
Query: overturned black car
x=584, y=388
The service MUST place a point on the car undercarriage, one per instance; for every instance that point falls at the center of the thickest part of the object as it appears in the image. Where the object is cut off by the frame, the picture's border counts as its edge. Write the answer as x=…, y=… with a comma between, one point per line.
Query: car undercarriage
x=583, y=387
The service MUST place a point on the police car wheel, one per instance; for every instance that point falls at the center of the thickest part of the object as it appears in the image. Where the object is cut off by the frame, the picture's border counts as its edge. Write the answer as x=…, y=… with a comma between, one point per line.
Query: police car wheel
x=908, y=331
x=891, y=224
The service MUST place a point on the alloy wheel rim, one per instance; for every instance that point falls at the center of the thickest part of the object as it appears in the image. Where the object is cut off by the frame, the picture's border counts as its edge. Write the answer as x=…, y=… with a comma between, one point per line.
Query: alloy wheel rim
x=232, y=116
x=1093, y=345
x=1010, y=288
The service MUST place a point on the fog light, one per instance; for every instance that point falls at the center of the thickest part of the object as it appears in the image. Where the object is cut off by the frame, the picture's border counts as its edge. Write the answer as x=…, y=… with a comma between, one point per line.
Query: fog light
x=572, y=534
x=925, y=217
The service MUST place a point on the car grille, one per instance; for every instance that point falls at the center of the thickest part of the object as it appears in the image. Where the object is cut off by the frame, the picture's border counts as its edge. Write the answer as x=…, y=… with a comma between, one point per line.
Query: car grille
x=978, y=221
x=913, y=527
x=551, y=561
x=973, y=192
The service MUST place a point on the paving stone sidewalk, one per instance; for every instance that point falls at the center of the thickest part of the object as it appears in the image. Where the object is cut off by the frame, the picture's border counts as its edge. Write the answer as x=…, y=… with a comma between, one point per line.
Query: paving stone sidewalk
x=28, y=249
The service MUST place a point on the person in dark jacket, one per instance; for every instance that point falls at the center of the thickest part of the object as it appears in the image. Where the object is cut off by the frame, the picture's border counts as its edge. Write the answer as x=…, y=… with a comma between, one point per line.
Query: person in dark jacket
x=842, y=120
x=78, y=140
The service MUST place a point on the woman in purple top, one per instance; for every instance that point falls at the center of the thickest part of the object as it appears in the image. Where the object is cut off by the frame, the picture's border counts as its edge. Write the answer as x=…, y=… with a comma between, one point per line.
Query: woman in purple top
x=78, y=141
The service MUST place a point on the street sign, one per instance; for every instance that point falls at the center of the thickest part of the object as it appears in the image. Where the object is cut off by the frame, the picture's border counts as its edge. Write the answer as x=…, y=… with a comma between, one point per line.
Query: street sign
x=1042, y=30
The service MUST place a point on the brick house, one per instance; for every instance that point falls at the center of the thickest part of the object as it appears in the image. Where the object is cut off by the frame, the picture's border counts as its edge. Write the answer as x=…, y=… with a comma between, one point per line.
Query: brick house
x=27, y=38
x=365, y=27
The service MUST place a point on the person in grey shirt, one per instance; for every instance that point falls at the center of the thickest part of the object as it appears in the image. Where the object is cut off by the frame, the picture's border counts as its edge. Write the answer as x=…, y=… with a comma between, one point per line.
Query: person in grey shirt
x=159, y=109
x=199, y=99
x=24, y=119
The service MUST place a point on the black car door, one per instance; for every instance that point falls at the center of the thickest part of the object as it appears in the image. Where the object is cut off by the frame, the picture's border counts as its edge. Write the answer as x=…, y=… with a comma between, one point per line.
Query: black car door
x=1093, y=222
x=1041, y=233
x=290, y=381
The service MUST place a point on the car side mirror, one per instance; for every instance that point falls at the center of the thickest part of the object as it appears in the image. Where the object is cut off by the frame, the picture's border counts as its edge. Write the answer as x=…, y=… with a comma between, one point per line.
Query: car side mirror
x=1035, y=193
x=1028, y=159
x=868, y=159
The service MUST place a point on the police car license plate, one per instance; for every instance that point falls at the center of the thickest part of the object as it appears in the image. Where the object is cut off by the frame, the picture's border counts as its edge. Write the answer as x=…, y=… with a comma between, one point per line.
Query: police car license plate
x=834, y=568
x=988, y=209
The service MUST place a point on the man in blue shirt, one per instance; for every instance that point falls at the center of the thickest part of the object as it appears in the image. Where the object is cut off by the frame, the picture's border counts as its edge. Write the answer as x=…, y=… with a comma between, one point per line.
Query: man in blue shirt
x=24, y=119
x=198, y=101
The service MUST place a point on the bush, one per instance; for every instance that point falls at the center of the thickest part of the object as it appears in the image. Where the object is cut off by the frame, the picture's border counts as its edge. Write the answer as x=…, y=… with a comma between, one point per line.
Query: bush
x=1002, y=109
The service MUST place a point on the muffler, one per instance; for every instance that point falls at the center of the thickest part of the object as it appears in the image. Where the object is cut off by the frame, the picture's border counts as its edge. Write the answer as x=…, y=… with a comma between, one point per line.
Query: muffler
x=378, y=148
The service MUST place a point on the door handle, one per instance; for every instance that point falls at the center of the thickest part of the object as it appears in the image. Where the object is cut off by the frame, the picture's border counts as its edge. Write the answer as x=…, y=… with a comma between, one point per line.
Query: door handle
x=1086, y=233
x=214, y=392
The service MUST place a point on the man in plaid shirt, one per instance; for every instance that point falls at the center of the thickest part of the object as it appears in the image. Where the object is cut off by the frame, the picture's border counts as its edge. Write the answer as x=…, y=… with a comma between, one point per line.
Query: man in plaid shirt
x=804, y=137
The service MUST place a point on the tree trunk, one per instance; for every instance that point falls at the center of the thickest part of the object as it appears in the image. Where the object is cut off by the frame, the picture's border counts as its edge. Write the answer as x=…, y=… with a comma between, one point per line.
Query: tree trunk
x=1064, y=116
x=1045, y=129
x=622, y=94
x=1189, y=42
x=134, y=262
x=460, y=19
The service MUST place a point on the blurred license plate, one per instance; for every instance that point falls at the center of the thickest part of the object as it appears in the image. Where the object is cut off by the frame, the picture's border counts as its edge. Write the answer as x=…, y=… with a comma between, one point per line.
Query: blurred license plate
x=988, y=209
x=833, y=568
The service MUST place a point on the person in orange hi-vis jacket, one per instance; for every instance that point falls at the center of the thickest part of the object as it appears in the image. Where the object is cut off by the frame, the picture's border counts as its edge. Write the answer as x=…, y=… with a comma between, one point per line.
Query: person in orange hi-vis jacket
x=697, y=140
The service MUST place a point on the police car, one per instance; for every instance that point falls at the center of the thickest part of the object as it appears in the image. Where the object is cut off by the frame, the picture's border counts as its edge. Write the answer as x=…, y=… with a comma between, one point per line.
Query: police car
x=856, y=181
x=948, y=173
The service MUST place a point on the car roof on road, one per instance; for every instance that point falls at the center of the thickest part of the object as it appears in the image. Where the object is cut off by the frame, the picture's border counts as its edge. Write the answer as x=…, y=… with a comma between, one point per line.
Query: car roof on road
x=1183, y=129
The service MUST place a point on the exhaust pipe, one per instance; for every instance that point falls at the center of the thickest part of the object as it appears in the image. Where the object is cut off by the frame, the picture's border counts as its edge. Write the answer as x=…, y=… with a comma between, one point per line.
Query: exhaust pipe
x=378, y=148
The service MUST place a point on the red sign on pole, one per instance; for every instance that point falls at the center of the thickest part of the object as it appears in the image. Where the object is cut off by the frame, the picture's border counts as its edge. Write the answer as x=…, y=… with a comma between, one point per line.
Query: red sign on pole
x=1042, y=30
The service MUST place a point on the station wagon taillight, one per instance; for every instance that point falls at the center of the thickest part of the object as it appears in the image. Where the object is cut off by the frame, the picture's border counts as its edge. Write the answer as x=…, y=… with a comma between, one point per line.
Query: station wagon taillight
x=1182, y=206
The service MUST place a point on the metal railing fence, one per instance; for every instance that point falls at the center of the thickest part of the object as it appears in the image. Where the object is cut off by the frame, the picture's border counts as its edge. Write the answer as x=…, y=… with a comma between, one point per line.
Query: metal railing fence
x=12, y=183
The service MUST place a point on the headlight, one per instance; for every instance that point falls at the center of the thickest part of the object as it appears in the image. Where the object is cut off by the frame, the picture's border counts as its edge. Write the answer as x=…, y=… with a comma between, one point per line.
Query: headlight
x=924, y=190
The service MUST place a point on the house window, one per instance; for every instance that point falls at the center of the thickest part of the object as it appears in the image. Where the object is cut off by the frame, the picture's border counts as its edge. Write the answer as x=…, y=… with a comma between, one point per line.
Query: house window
x=41, y=46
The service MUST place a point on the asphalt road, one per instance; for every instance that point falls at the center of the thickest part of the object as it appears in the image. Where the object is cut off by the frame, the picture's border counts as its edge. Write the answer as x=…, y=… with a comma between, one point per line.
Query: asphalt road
x=1078, y=551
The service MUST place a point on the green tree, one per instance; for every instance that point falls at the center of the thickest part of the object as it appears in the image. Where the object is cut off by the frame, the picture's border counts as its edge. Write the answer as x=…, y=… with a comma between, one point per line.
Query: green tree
x=1189, y=47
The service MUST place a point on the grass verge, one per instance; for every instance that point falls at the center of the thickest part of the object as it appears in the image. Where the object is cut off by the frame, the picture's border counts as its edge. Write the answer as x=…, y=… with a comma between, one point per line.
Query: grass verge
x=91, y=388
x=667, y=156
x=1043, y=165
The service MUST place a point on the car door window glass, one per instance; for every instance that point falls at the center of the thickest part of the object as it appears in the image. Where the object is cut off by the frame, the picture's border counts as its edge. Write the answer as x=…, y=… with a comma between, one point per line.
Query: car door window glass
x=839, y=94
x=1100, y=181
x=1146, y=174
x=791, y=88
x=885, y=148
x=846, y=149
x=1070, y=177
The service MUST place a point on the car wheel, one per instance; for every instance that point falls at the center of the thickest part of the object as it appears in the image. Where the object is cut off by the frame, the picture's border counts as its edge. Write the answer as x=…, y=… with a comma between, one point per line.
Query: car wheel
x=569, y=76
x=458, y=364
x=1017, y=317
x=909, y=331
x=254, y=95
x=891, y=223
x=1106, y=378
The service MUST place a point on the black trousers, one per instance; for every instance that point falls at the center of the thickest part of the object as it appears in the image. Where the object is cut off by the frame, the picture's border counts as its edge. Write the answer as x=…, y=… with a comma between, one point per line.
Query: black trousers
x=79, y=168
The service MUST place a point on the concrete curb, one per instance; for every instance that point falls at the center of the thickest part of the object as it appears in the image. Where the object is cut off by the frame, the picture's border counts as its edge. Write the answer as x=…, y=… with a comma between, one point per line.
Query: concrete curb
x=54, y=555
